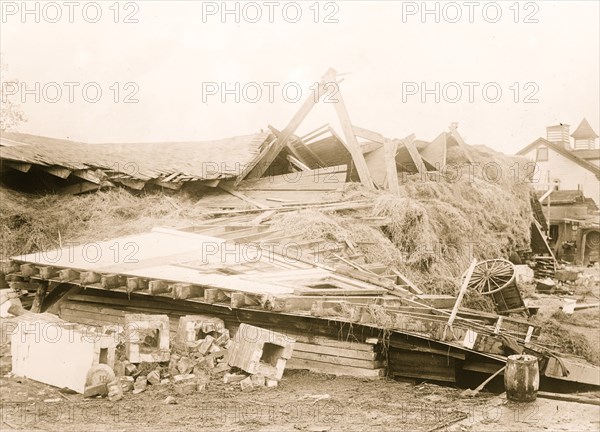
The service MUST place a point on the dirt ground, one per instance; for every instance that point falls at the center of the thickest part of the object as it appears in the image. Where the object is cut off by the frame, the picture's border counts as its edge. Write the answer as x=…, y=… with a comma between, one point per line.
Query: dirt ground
x=302, y=402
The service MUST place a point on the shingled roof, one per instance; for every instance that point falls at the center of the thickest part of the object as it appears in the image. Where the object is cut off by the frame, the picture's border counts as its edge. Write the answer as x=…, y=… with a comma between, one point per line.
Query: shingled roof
x=160, y=161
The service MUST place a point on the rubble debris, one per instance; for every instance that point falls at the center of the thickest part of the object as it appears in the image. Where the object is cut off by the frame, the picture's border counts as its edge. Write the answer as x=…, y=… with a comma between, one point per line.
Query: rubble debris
x=233, y=378
x=259, y=351
x=115, y=390
x=140, y=384
x=185, y=384
x=170, y=400
x=154, y=377
x=127, y=383
x=246, y=384
x=147, y=338
x=193, y=329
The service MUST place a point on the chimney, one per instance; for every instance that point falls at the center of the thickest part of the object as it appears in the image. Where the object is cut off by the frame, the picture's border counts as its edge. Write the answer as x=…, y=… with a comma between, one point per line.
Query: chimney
x=559, y=134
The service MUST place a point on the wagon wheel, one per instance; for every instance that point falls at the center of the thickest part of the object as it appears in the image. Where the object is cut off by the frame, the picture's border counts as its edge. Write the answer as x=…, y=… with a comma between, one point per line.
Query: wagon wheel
x=491, y=276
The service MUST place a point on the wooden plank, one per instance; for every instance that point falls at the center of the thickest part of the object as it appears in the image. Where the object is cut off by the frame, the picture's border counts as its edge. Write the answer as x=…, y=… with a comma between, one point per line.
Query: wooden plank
x=569, y=398
x=479, y=366
x=414, y=154
x=426, y=347
x=377, y=165
x=329, y=178
x=315, y=133
x=262, y=162
x=438, y=301
x=294, y=161
x=407, y=281
x=336, y=352
x=578, y=371
x=58, y=171
x=178, y=185
x=40, y=294
x=306, y=303
x=391, y=148
x=88, y=175
x=131, y=183
x=422, y=365
x=23, y=167
x=241, y=196
x=328, y=368
x=369, y=134
x=351, y=142
x=338, y=291
x=82, y=187
x=297, y=147
x=454, y=132
x=341, y=361
x=435, y=151
x=315, y=339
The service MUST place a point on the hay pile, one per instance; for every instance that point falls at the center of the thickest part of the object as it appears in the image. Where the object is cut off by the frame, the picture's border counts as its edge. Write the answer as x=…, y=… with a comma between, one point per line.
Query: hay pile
x=29, y=223
x=562, y=338
x=437, y=223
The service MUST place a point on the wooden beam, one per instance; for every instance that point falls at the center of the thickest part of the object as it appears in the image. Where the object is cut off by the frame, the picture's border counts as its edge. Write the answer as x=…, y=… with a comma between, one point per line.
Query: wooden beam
x=242, y=196
x=390, y=149
x=454, y=132
x=88, y=175
x=23, y=167
x=315, y=133
x=406, y=281
x=258, y=166
x=131, y=183
x=435, y=152
x=368, y=134
x=57, y=171
x=297, y=163
x=351, y=142
x=414, y=154
x=461, y=293
x=82, y=188
x=568, y=398
x=295, y=143
x=168, y=185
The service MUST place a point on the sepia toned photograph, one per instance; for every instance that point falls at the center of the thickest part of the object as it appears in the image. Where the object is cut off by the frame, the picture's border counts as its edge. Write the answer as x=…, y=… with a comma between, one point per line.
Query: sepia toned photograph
x=317, y=216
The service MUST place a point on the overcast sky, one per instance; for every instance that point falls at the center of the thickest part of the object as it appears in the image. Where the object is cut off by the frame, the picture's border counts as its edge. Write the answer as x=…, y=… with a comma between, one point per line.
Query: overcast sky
x=391, y=53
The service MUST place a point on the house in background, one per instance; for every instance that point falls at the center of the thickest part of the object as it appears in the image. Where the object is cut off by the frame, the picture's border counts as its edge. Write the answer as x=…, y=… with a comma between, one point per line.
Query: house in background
x=574, y=231
x=567, y=178
x=565, y=165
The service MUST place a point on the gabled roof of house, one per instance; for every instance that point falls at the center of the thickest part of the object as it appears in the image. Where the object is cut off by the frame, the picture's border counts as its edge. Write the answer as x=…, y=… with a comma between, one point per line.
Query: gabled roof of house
x=584, y=130
x=587, y=154
x=562, y=151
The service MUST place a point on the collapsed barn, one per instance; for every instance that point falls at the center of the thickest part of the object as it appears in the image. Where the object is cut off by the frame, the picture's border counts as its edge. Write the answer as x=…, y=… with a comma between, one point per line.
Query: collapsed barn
x=376, y=256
